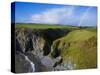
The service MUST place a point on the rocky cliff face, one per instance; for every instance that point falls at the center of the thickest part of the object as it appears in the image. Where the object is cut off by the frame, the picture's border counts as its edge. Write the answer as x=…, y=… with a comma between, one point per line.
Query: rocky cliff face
x=39, y=50
x=33, y=48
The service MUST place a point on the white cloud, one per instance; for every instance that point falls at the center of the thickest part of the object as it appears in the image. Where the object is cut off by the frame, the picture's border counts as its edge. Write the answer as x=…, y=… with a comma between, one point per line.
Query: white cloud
x=54, y=15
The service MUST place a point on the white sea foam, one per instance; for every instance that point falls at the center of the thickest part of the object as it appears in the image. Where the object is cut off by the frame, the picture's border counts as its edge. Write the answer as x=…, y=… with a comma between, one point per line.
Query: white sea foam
x=31, y=63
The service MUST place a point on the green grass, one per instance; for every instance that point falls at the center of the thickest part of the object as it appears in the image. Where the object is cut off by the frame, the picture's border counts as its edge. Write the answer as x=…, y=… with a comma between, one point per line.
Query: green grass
x=43, y=26
x=79, y=35
x=79, y=46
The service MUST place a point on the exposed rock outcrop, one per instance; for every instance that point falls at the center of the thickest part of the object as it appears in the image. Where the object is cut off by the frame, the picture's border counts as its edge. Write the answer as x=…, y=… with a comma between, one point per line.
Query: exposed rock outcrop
x=35, y=44
x=41, y=50
x=23, y=64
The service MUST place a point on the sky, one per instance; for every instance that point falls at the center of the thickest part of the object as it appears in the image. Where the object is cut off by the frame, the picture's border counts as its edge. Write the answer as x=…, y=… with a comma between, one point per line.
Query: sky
x=55, y=14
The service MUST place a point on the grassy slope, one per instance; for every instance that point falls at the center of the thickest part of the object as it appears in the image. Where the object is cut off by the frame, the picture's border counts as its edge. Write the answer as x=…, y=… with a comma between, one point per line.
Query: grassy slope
x=79, y=46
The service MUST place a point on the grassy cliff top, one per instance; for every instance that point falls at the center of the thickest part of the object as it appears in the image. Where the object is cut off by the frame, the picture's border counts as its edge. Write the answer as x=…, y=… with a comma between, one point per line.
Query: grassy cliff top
x=79, y=47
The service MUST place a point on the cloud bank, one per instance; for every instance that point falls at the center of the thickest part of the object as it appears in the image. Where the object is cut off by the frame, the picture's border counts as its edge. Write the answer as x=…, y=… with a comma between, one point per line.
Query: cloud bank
x=53, y=16
x=64, y=16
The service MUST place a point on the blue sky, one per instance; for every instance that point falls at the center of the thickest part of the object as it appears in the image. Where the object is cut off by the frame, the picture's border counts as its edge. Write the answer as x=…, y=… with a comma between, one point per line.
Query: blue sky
x=55, y=14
